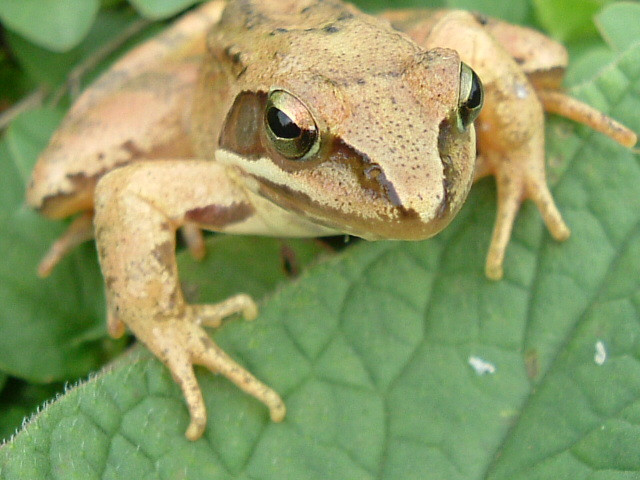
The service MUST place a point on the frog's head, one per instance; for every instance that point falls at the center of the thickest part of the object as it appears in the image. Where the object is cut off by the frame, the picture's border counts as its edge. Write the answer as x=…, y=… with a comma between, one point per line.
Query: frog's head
x=376, y=139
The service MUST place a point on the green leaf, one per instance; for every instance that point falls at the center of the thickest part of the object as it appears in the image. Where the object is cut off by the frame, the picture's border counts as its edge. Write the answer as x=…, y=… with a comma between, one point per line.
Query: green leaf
x=158, y=9
x=568, y=19
x=514, y=11
x=619, y=24
x=54, y=24
x=400, y=360
x=18, y=400
x=53, y=68
x=42, y=328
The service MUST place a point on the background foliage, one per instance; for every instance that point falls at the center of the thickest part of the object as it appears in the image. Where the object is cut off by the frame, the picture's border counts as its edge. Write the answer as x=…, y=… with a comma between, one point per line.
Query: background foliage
x=397, y=360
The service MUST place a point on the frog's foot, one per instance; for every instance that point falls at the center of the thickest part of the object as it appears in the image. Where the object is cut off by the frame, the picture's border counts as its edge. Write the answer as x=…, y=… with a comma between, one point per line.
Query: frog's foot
x=517, y=181
x=80, y=230
x=182, y=342
x=559, y=103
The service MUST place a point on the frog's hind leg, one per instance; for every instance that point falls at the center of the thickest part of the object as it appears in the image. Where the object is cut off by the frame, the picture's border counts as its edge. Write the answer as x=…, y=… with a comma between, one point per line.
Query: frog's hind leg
x=561, y=104
x=80, y=230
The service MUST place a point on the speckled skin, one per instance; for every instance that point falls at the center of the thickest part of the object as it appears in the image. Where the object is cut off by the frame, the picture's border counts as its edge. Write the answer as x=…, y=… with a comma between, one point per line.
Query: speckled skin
x=173, y=136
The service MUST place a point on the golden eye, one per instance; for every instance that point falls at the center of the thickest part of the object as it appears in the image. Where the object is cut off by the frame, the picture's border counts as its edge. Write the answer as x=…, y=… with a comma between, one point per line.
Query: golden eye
x=471, y=97
x=290, y=126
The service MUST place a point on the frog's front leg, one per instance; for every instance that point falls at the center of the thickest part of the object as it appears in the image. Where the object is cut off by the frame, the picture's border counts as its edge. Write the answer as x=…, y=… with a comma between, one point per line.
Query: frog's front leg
x=137, y=211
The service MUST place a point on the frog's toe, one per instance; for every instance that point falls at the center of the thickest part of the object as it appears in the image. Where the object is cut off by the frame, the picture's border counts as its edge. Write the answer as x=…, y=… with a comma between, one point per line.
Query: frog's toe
x=212, y=315
x=509, y=195
x=215, y=359
x=79, y=231
x=542, y=197
x=182, y=371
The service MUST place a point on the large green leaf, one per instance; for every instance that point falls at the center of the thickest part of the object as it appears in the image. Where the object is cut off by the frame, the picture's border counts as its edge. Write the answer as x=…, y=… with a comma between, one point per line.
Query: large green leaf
x=400, y=360
x=32, y=346
x=568, y=19
x=54, y=24
x=620, y=24
x=52, y=69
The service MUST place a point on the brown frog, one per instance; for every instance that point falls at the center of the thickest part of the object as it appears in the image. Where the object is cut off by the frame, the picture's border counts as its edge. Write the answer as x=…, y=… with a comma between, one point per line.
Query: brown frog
x=294, y=118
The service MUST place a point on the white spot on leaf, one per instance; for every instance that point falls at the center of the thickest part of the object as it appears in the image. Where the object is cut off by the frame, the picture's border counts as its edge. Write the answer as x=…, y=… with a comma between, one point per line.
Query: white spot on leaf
x=601, y=353
x=482, y=367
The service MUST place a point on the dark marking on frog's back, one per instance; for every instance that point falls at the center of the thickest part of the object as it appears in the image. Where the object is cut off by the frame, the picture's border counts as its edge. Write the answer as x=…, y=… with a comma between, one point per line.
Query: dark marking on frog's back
x=218, y=216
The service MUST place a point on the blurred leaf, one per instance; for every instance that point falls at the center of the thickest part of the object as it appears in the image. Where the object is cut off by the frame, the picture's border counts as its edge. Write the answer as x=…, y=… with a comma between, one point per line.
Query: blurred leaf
x=158, y=9
x=376, y=5
x=568, y=20
x=57, y=25
x=40, y=325
x=619, y=24
x=51, y=68
x=515, y=11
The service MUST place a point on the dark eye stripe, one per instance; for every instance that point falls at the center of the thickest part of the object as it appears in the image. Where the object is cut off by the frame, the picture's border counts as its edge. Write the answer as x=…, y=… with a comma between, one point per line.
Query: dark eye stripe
x=241, y=129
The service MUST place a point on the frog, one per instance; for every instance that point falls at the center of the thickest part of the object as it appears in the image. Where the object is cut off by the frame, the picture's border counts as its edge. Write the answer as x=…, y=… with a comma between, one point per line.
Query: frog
x=296, y=118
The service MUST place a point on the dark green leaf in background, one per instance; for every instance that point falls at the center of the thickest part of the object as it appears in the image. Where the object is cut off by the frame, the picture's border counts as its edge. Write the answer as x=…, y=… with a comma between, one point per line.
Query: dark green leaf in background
x=157, y=9
x=43, y=329
x=568, y=20
x=54, y=24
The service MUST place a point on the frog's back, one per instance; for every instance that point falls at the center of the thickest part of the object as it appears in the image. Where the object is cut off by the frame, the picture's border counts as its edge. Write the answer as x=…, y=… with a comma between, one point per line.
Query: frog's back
x=134, y=111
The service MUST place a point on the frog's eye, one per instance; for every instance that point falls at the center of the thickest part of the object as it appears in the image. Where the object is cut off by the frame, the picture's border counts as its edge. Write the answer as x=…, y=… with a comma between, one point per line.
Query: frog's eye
x=290, y=126
x=471, y=97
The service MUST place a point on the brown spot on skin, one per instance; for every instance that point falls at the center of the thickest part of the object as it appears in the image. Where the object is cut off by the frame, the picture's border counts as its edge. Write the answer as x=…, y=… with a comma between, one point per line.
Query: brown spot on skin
x=218, y=216
x=132, y=149
x=109, y=281
x=164, y=253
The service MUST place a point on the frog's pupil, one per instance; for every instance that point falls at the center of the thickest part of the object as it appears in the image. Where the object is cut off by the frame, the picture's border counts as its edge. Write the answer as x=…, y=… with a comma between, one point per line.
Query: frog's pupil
x=281, y=124
x=475, y=95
